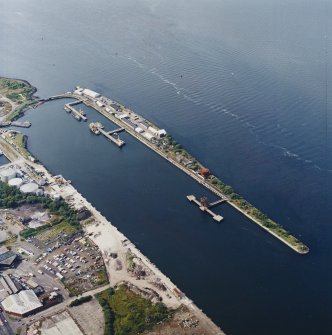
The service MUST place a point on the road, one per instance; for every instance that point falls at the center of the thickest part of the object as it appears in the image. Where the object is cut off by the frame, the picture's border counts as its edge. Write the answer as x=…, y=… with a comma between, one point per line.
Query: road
x=5, y=328
x=65, y=303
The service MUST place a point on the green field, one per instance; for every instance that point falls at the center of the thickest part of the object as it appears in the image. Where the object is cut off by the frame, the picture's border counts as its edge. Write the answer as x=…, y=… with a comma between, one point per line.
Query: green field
x=19, y=92
x=127, y=313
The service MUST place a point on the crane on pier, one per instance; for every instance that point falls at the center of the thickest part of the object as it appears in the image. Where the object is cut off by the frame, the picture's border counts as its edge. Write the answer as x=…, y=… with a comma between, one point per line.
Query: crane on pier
x=204, y=202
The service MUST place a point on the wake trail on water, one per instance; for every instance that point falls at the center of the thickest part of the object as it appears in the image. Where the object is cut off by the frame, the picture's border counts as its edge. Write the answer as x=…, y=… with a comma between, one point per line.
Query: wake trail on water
x=195, y=98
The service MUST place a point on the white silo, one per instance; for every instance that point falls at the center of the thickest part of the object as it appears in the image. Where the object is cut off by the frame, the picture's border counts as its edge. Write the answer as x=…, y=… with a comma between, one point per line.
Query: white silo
x=7, y=174
x=29, y=188
x=15, y=182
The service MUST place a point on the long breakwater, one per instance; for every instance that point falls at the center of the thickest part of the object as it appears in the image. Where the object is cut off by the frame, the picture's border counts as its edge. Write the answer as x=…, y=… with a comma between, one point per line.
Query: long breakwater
x=144, y=131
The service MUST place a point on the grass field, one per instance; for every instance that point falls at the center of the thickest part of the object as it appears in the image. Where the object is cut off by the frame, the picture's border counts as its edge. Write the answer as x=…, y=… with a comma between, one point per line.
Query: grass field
x=127, y=313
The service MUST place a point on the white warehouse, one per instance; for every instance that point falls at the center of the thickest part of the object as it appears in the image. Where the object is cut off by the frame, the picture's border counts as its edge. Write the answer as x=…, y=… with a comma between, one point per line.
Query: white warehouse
x=90, y=93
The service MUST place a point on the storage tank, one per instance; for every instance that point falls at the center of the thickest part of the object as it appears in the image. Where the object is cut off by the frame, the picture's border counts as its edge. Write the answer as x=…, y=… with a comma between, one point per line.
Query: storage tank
x=39, y=192
x=29, y=188
x=42, y=182
x=7, y=174
x=56, y=196
x=15, y=182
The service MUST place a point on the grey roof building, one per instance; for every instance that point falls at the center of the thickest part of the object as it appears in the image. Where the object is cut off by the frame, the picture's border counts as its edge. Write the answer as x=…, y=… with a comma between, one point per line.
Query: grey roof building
x=7, y=258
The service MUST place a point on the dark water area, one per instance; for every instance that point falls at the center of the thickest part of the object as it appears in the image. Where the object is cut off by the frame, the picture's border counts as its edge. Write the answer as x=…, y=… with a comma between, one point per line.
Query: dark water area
x=3, y=160
x=244, y=86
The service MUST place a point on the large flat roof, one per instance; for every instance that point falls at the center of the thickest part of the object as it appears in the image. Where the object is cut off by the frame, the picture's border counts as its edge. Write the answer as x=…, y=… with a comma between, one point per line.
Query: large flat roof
x=21, y=303
x=7, y=258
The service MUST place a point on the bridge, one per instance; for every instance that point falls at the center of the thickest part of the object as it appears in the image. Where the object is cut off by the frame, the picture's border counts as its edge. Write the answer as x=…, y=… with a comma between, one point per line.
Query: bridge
x=119, y=130
x=216, y=203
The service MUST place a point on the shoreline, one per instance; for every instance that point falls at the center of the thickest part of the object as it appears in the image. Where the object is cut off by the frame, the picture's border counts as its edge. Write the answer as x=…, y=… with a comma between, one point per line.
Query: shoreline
x=108, y=238
x=31, y=101
x=271, y=226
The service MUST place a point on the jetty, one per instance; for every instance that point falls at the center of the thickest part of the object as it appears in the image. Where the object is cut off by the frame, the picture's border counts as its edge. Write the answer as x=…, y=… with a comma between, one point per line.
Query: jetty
x=151, y=136
x=97, y=128
x=116, y=141
x=78, y=114
x=115, y=131
x=206, y=207
x=24, y=124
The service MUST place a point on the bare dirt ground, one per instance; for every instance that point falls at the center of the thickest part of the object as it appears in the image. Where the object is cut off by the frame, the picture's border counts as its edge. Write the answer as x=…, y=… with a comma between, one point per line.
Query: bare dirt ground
x=183, y=323
x=10, y=225
x=57, y=324
x=90, y=317
x=5, y=107
x=12, y=220
x=87, y=319
x=34, y=215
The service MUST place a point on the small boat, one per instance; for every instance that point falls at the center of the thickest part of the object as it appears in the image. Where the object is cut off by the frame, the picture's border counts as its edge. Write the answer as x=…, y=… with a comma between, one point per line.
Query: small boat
x=94, y=128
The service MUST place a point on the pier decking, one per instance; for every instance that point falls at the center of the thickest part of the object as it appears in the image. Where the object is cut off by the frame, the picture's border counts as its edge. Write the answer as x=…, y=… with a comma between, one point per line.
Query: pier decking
x=116, y=141
x=77, y=114
x=215, y=217
x=98, y=128
x=24, y=124
x=119, y=130
x=110, y=110
x=216, y=203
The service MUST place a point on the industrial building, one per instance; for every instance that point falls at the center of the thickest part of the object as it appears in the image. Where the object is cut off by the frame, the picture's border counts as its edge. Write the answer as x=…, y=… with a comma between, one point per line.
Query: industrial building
x=8, y=285
x=121, y=116
x=116, y=107
x=139, y=130
x=153, y=131
x=22, y=304
x=148, y=136
x=7, y=174
x=161, y=133
x=7, y=259
x=90, y=93
x=143, y=125
x=129, y=123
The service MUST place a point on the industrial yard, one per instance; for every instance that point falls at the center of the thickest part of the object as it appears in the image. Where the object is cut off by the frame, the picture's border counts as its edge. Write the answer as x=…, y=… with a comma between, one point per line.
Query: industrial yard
x=77, y=263
x=57, y=259
x=82, y=257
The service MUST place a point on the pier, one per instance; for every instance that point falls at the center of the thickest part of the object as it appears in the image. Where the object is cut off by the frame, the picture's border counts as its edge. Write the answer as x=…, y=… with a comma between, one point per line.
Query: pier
x=206, y=209
x=77, y=114
x=24, y=124
x=108, y=135
x=119, y=130
x=109, y=108
x=216, y=203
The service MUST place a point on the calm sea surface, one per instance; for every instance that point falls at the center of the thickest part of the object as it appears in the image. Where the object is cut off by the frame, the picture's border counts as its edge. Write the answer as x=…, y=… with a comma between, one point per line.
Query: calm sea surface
x=243, y=85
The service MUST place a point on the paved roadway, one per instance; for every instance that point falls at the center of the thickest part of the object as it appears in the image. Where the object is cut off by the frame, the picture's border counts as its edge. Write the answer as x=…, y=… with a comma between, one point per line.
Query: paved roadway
x=4, y=326
x=50, y=311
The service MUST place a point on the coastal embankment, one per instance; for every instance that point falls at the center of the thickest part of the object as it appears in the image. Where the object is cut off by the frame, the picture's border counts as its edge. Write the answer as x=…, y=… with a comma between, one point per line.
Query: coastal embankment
x=116, y=113
x=110, y=241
